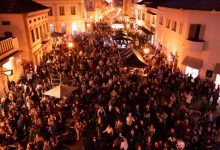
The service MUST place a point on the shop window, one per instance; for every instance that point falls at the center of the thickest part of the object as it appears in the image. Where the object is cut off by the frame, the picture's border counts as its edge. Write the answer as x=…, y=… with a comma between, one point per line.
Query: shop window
x=209, y=73
x=62, y=13
x=191, y=71
x=51, y=28
x=63, y=28
x=217, y=81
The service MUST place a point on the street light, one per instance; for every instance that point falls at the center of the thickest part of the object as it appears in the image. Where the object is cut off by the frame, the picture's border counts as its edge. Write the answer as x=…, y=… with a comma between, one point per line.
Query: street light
x=7, y=72
x=146, y=50
x=70, y=45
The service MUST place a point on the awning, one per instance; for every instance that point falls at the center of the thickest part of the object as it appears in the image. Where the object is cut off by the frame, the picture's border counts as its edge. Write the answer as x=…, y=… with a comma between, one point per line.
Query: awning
x=5, y=59
x=152, y=13
x=192, y=62
x=145, y=30
x=132, y=58
x=217, y=68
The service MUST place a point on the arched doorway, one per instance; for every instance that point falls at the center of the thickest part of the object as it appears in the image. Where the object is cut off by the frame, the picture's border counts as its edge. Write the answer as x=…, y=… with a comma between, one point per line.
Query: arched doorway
x=63, y=28
x=74, y=28
x=52, y=28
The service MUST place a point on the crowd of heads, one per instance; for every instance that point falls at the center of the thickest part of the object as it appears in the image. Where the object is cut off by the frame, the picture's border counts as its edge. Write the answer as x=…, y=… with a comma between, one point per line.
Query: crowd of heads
x=111, y=109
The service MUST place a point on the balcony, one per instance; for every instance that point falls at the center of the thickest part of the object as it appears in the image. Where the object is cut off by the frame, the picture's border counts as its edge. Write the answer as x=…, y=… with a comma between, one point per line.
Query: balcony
x=195, y=45
x=6, y=44
x=8, y=47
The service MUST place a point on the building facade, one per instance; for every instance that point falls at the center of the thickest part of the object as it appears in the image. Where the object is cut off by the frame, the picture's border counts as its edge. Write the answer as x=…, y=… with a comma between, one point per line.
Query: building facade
x=94, y=10
x=190, y=38
x=66, y=16
x=128, y=8
x=28, y=21
x=145, y=18
x=10, y=62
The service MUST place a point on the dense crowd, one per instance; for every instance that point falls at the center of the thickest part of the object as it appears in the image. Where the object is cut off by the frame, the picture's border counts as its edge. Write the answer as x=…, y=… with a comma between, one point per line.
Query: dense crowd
x=112, y=109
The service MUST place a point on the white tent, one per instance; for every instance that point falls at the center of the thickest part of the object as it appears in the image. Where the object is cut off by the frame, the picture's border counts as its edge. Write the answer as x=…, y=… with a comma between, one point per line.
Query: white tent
x=60, y=91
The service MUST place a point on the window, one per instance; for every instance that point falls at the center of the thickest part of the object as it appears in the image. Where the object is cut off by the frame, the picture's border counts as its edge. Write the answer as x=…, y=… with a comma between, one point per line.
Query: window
x=161, y=20
x=32, y=35
x=41, y=32
x=90, y=4
x=73, y=10
x=174, y=25
x=38, y=18
x=50, y=12
x=143, y=16
x=139, y=14
x=168, y=23
x=62, y=13
x=153, y=19
x=63, y=28
x=35, y=20
x=30, y=21
x=47, y=27
x=196, y=32
x=45, y=31
x=181, y=28
x=37, y=33
x=6, y=23
x=51, y=28
x=192, y=71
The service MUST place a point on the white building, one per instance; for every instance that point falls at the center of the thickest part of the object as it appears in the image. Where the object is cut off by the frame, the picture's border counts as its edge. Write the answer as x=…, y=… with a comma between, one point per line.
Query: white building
x=189, y=34
x=66, y=16
x=26, y=20
x=145, y=17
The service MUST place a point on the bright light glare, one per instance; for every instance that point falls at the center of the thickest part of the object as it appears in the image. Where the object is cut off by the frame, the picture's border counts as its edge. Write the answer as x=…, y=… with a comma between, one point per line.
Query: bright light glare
x=70, y=44
x=146, y=50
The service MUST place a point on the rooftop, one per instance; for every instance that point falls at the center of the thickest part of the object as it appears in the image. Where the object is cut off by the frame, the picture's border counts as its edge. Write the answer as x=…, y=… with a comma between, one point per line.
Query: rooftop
x=20, y=6
x=207, y=5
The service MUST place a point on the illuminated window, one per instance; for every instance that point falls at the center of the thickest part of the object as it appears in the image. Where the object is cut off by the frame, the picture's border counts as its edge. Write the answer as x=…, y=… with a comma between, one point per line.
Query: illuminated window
x=217, y=81
x=51, y=28
x=192, y=71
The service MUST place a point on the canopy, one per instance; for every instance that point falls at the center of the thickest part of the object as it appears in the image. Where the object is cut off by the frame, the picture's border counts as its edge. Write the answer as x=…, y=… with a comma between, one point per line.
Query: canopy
x=132, y=58
x=60, y=91
x=192, y=62
x=145, y=30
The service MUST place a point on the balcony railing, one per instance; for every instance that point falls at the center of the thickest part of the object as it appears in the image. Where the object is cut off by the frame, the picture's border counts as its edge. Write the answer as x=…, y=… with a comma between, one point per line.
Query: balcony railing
x=6, y=45
x=197, y=45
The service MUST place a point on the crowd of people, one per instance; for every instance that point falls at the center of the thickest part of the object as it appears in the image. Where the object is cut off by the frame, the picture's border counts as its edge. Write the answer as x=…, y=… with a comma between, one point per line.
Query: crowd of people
x=111, y=109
